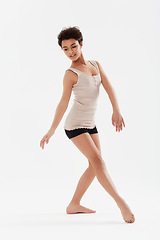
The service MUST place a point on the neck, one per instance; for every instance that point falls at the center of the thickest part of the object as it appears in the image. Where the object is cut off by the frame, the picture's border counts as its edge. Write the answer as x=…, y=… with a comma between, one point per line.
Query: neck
x=79, y=62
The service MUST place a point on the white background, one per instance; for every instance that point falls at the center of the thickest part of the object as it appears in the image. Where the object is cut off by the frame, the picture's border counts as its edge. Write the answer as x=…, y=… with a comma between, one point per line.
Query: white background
x=37, y=185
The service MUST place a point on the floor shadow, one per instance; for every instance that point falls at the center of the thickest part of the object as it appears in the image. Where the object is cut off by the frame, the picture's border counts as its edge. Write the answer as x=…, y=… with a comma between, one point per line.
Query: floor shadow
x=57, y=219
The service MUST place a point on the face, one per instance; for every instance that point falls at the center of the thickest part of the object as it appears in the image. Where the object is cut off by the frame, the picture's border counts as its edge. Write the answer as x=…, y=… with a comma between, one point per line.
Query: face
x=72, y=48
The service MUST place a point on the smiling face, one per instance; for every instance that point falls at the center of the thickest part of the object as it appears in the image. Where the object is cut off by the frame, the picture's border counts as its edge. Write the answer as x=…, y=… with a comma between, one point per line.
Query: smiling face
x=72, y=48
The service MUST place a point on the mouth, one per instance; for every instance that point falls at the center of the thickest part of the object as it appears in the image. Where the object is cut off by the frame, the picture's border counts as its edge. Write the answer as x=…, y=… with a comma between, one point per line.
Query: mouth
x=73, y=55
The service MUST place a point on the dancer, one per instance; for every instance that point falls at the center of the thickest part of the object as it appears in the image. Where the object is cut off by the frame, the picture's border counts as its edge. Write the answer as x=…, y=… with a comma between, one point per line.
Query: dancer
x=84, y=78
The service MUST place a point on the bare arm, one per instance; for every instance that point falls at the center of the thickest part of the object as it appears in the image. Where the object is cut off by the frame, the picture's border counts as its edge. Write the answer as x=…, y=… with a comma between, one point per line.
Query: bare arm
x=117, y=119
x=108, y=88
x=63, y=104
x=68, y=82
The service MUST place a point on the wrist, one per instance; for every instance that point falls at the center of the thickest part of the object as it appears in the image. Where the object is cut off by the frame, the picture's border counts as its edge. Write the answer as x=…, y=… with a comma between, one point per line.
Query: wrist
x=52, y=129
x=116, y=109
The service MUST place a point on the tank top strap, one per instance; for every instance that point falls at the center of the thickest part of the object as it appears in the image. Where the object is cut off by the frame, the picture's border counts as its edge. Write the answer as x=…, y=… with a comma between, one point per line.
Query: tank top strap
x=95, y=64
x=74, y=70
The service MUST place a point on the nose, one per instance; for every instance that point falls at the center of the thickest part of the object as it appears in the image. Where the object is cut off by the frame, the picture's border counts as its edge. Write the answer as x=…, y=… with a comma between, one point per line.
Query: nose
x=70, y=51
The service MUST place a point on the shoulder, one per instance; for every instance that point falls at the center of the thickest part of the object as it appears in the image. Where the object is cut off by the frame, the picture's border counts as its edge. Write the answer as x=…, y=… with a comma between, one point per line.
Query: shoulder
x=70, y=76
x=99, y=66
x=71, y=72
x=97, y=63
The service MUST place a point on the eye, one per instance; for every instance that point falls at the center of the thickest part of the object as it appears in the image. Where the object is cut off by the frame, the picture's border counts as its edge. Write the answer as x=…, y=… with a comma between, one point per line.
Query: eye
x=72, y=47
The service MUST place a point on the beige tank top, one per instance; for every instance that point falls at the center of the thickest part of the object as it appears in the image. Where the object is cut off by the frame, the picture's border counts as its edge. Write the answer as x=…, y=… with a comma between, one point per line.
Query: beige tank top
x=86, y=92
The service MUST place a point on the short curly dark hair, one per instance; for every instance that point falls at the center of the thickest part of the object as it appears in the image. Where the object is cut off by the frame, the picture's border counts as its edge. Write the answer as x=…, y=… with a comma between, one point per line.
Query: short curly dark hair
x=70, y=32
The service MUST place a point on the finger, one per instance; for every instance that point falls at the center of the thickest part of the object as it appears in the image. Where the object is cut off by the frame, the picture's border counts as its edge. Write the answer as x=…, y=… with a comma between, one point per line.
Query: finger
x=40, y=143
x=113, y=122
x=123, y=122
x=119, y=127
x=42, y=139
x=43, y=144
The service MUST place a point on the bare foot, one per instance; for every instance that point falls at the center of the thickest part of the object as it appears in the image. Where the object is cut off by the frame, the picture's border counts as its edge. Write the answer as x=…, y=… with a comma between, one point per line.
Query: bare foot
x=77, y=208
x=128, y=216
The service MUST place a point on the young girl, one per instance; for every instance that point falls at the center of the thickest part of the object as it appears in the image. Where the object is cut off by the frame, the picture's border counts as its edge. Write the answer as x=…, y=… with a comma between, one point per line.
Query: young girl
x=84, y=78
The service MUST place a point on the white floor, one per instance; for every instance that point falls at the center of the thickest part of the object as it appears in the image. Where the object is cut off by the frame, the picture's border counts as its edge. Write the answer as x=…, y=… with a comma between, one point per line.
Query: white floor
x=106, y=223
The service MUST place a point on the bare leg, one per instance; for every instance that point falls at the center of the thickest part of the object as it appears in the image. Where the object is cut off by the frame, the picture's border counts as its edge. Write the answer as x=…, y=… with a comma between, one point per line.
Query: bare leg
x=85, y=144
x=83, y=184
x=106, y=181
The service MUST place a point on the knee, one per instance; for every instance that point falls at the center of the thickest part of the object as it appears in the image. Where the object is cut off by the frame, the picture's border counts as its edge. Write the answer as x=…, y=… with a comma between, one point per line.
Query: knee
x=97, y=161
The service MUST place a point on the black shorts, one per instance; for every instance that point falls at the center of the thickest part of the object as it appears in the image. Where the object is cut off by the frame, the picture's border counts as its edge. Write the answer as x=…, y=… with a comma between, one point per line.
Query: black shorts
x=76, y=132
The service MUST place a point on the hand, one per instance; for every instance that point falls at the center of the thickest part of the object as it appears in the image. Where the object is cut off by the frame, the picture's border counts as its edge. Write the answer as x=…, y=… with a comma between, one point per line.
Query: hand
x=46, y=137
x=117, y=120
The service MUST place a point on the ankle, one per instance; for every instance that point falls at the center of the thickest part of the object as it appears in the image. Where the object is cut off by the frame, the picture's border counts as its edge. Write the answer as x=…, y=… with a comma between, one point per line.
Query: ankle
x=118, y=199
x=74, y=202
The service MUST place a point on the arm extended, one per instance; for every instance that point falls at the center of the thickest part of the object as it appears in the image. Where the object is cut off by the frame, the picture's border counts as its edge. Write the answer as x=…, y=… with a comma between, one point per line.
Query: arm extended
x=117, y=119
x=63, y=104
x=60, y=110
x=108, y=88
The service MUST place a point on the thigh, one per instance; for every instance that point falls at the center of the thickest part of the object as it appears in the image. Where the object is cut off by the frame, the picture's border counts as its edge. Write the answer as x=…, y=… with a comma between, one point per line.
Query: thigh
x=86, y=145
x=96, y=140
